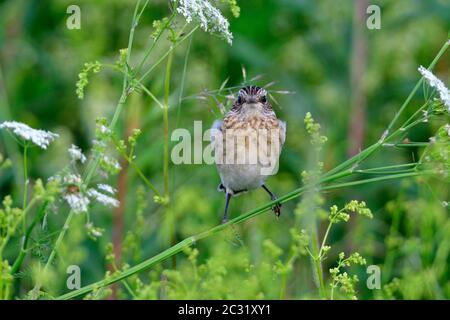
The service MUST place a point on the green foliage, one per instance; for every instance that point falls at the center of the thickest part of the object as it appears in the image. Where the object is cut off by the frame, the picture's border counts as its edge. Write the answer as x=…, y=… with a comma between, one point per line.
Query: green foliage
x=4, y=163
x=168, y=64
x=436, y=156
x=228, y=274
x=341, y=279
x=83, y=76
x=313, y=130
x=234, y=7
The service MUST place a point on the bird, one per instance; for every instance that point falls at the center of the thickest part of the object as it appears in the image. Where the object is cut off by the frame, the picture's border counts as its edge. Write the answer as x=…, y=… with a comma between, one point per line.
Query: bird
x=247, y=144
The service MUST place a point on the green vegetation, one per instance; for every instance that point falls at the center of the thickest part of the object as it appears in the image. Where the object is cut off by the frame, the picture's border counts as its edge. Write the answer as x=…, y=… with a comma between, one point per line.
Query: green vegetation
x=95, y=186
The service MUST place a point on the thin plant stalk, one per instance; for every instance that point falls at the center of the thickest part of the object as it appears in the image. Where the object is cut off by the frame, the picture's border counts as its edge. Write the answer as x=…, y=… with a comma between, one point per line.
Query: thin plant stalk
x=166, y=123
x=317, y=264
x=164, y=56
x=25, y=184
x=131, y=162
x=166, y=150
x=23, y=250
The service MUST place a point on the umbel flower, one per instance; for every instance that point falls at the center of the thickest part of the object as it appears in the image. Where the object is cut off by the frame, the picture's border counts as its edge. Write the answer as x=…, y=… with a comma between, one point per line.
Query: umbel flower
x=435, y=82
x=209, y=17
x=76, y=154
x=103, y=198
x=77, y=201
x=78, y=198
x=107, y=188
x=40, y=138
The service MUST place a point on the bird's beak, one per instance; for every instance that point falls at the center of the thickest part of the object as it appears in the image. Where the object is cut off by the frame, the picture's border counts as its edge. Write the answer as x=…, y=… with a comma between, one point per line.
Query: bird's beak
x=252, y=100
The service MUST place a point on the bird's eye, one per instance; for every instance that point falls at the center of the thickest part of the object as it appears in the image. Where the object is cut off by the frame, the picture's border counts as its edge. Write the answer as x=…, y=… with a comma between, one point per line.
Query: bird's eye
x=263, y=99
x=239, y=99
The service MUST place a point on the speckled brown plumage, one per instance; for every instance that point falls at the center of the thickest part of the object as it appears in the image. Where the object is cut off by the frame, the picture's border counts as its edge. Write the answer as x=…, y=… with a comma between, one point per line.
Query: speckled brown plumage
x=250, y=125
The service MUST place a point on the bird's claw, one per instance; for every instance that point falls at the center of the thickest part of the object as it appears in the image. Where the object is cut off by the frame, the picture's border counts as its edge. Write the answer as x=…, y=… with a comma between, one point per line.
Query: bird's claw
x=277, y=209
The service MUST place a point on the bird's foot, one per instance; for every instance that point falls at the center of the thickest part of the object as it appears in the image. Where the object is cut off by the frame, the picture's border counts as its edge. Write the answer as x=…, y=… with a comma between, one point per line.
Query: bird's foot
x=276, y=208
x=224, y=219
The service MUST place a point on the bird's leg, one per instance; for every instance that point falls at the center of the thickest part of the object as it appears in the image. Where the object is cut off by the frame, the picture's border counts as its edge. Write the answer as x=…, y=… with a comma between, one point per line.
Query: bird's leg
x=277, y=207
x=227, y=202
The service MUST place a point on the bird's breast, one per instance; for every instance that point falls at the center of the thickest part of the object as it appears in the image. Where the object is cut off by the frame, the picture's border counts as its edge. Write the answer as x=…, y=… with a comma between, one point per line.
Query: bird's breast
x=248, y=148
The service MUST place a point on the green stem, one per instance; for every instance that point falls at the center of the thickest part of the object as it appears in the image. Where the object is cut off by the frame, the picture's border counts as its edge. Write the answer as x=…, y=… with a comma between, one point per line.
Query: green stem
x=394, y=166
x=324, y=241
x=150, y=49
x=414, y=115
x=317, y=262
x=128, y=158
x=166, y=124
x=355, y=159
x=142, y=176
x=332, y=290
x=164, y=56
x=124, y=282
x=59, y=239
x=151, y=95
x=180, y=97
x=384, y=172
x=25, y=185
x=23, y=251
x=407, y=145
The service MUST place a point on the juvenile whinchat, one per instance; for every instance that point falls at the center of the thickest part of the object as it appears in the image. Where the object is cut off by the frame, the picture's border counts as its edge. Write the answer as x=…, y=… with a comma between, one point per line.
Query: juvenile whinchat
x=247, y=145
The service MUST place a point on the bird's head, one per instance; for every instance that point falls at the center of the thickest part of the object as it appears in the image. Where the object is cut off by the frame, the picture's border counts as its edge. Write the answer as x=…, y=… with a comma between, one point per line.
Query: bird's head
x=252, y=99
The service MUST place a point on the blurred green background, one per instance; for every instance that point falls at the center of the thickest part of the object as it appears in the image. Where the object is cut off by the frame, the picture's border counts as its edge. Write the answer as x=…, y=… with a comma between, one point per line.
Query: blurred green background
x=351, y=79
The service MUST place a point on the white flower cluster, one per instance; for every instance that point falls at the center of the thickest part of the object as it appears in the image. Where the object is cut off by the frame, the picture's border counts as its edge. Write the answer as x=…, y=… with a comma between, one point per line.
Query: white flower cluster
x=107, y=188
x=436, y=83
x=103, y=198
x=40, y=138
x=209, y=17
x=78, y=202
x=76, y=154
x=71, y=179
x=105, y=129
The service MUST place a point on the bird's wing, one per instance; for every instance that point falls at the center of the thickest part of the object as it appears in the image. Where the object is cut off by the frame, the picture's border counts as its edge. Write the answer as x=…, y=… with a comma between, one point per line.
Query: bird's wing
x=282, y=131
x=217, y=125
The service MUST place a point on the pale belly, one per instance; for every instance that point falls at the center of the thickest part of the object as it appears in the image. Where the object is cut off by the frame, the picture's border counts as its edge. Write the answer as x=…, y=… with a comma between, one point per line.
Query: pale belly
x=241, y=177
x=246, y=173
x=245, y=158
